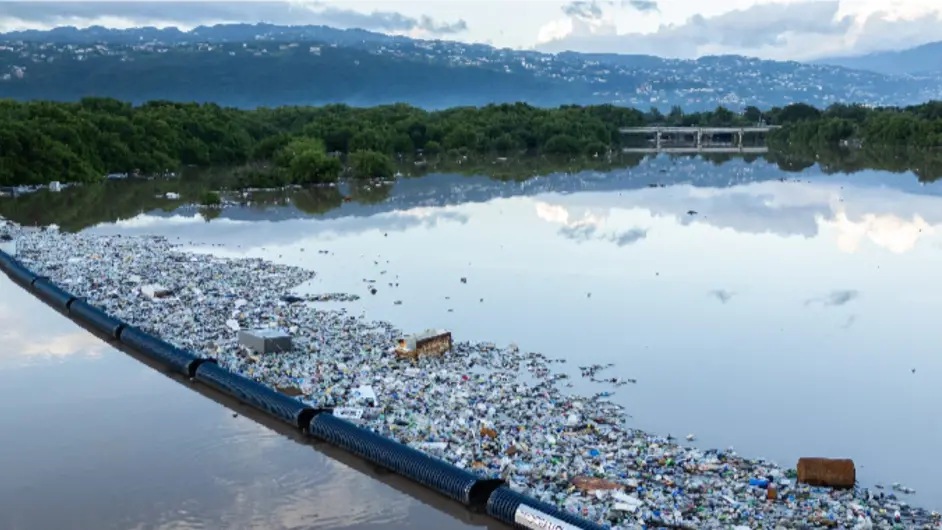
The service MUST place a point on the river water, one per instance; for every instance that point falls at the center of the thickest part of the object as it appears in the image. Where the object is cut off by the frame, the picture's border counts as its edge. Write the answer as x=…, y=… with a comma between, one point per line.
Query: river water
x=785, y=314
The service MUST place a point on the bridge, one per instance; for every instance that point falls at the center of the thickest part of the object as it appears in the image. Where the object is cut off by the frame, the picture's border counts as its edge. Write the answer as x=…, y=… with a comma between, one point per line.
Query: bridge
x=695, y=149
x=696, y=138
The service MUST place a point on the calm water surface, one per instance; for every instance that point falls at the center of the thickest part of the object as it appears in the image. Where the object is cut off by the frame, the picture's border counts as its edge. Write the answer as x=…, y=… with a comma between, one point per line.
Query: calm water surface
x=779, y=313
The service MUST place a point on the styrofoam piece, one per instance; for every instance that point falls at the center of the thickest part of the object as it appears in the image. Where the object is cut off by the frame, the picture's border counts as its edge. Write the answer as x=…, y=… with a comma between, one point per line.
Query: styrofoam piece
x=265, y=340
x=155, y=291
x=365, y=393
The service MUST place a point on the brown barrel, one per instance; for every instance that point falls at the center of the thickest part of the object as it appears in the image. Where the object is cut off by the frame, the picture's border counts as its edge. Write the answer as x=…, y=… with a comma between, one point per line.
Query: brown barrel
x=829, y=472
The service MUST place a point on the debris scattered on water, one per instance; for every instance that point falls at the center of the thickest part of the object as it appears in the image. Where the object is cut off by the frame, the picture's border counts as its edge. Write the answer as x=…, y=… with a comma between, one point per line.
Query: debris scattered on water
x=471, y=407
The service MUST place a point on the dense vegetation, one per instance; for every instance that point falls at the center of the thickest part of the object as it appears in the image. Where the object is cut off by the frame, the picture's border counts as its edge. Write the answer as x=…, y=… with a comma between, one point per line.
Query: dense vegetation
x=44, y=141
x=918, y=127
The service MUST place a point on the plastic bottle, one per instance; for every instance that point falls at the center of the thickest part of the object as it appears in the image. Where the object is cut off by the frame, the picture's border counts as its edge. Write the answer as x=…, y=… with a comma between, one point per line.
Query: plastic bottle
x=758, y=482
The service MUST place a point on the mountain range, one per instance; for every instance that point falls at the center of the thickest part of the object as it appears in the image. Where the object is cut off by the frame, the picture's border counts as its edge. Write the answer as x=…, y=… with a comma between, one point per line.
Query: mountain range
x=251, y=65
x=921, y=60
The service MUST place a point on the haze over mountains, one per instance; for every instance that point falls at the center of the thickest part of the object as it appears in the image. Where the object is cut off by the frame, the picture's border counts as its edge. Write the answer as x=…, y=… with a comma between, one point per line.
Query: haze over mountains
x=921, y=60
x=249, y=65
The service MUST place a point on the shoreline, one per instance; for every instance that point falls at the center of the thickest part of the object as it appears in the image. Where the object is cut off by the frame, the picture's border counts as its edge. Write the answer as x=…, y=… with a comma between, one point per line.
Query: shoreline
x=661, y=483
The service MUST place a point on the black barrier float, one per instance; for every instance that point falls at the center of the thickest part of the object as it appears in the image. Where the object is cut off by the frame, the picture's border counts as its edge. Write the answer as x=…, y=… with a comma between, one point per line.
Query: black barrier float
x=53, y=295
x=161, y=352
x=264, y=398
x=473, y=491
x=96, y=319
x=458, y=484
x=16, y=271
x=521, y=511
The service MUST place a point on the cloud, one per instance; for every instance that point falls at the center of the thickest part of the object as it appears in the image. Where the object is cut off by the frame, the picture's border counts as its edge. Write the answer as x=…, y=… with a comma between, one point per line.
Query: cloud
x=768, y=24
x=187, y=15
x=641, y=5
x=583, y=17
x=884, y=30
x=593, y=10
x=777, y=30
x=583, y=9
x=385, y=21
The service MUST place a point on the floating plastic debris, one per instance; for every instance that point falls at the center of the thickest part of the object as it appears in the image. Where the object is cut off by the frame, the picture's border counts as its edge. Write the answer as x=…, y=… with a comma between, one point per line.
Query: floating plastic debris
x=156, y=291
x=497, y=411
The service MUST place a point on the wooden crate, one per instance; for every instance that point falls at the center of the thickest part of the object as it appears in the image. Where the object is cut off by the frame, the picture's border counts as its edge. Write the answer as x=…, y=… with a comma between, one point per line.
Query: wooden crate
x=430, y=342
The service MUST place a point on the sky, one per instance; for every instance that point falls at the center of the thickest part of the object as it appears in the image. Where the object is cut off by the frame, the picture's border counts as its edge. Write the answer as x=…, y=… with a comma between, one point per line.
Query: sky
x=773, y=29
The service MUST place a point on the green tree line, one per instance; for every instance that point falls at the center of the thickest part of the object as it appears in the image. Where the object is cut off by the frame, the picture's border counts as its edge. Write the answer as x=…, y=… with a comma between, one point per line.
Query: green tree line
x=42, y=141
x=915, y=127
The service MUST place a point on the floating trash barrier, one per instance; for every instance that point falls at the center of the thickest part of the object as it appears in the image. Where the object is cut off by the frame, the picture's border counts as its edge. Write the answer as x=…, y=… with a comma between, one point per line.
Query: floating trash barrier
x=465, y=487
x=279, y=405
x=517, y=509
x=165, y=354
x=53, y=295
x=96, y=319
x=15, y=271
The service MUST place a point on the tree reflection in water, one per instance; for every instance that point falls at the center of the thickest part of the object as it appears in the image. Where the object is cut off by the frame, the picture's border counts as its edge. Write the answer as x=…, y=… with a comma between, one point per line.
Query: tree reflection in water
x=76, y=208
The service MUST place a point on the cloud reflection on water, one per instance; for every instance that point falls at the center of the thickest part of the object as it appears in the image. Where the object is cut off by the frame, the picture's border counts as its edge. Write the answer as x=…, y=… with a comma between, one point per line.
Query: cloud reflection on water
x=722, y=295
x=854, y=209
x=587, y=227
x=888, y=231
x=835, y=298
x=30, y=330
x=330, y=497
x=286, y=232
x=890, y=219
